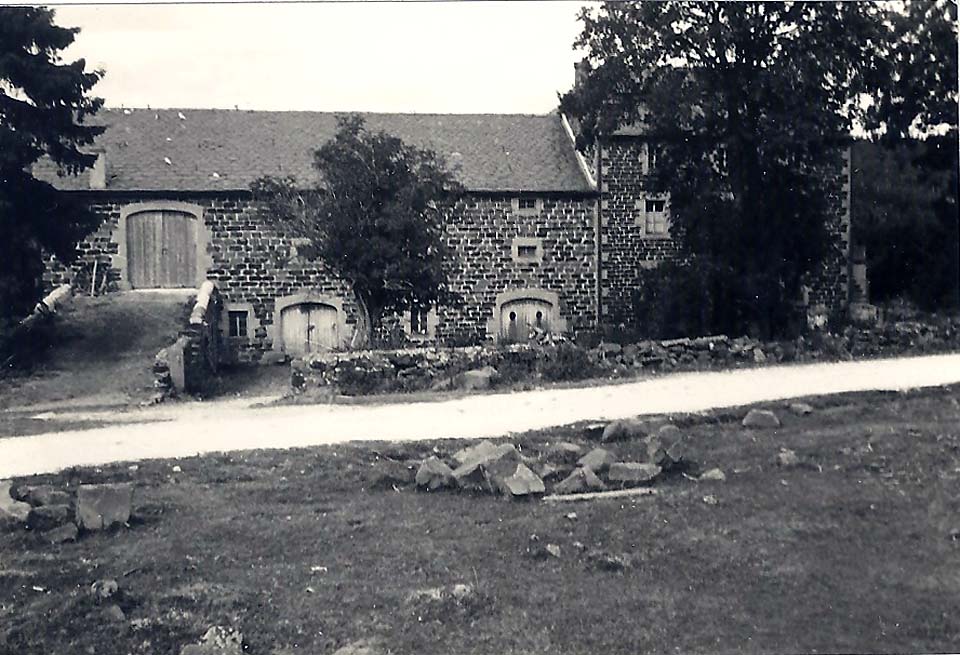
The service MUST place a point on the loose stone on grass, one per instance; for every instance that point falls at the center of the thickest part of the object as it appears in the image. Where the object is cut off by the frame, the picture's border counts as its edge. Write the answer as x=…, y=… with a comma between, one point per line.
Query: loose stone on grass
x=580, y=481
x=563, y=452
x=433, y=474
x=624, y=429
x=761, y=418
x=597, y=460
x=217, y=641
x=627, y=473
x=713, y=475
x=522, y=482
x=801, y=409
x=12, y=511
x=100, y=506
x=62, y=534
x=43, y=494
x=786, y=458
x=48, y=517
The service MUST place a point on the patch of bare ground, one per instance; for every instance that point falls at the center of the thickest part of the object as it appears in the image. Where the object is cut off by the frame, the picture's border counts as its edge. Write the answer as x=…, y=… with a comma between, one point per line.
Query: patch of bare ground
x=852, y=549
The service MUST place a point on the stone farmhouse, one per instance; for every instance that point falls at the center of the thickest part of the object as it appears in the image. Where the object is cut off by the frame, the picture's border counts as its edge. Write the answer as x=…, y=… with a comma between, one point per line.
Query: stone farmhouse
x=543, y=237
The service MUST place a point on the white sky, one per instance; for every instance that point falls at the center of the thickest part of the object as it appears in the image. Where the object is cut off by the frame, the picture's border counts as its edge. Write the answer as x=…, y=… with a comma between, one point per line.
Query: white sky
x=449, y=57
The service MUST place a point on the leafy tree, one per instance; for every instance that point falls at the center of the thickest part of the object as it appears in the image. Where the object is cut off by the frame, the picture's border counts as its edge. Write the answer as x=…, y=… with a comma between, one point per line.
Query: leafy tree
x=43, y=105
x=375, y=220
x=905, y=214
x=750, y=101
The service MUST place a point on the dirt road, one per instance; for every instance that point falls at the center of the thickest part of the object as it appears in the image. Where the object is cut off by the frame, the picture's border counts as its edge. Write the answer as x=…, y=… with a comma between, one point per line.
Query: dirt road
x=185, y=430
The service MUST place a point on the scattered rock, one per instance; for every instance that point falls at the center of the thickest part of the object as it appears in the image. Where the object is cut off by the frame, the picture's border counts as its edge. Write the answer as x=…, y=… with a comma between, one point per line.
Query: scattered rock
x=714, y=475
x=48, y=517
x=104, y=589
x=433, y=474
x=12, y=511
x=474, y=472
x=597, y=460
x=563, y=452
x=478, y=379
x=628, y=473
x=62, y=534
x=786, y=458
x=594, y=431
x=710, y=499
x=114, y=613
x=475, y=453
x=217, y=641
x=43, y=494
x=550, y=471
x=553, y=550
x=801, y=409
x=580, y=481
x=624, y=429
x=522, y=482
x=100, y=506
x=761, y=418
x=608, y=561
x=274, y=358
x=570, y=516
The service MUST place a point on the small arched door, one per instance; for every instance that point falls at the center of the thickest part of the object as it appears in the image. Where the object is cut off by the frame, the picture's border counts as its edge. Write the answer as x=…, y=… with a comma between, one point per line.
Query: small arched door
x=308, y=327
x=519, y=318
x=162, y=249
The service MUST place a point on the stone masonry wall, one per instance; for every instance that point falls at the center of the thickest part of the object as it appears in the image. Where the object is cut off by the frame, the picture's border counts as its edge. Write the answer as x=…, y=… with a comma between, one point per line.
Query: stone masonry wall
x=481, y=233
x=253, y=265
x=625, y=249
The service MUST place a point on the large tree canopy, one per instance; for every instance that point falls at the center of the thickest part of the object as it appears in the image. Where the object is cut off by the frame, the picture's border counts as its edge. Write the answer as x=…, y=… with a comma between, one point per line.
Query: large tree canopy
x=750, y=101
x=43, y=105
x=375, y=219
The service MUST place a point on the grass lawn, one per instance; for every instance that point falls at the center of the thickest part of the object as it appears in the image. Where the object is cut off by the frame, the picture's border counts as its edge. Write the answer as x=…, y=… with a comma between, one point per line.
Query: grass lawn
x=855, y=550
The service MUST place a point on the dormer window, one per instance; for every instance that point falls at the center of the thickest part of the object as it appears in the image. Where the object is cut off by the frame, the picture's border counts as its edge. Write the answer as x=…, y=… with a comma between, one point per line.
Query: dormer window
x=527, y=206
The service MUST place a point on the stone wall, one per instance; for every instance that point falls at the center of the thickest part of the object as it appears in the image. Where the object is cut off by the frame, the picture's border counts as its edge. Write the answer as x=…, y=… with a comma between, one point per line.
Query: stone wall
x=255, y=267
x=483, y=234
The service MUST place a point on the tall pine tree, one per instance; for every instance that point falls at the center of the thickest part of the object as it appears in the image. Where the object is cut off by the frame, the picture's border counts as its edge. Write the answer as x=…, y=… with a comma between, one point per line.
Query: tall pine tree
x=44, y=102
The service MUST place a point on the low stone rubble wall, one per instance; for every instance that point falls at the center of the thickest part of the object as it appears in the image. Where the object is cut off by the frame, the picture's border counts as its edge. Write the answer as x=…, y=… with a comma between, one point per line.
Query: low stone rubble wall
x=194, y=359
x=481, y=367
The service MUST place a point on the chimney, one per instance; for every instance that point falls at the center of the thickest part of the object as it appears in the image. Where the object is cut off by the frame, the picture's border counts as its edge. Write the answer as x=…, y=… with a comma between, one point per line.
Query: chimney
x=98, y=173
x=581, y=70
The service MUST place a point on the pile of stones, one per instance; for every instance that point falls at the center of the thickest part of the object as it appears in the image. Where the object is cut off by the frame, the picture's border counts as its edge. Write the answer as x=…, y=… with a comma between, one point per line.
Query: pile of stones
x=60, y=516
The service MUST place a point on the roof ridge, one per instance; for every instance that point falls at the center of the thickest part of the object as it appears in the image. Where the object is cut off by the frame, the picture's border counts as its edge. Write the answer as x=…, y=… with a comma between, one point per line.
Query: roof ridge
x=330, y=113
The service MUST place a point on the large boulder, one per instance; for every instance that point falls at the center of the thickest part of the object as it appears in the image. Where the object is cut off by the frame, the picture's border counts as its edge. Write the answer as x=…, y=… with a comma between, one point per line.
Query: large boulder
x=761, y=419
x=580, y=481
x=12, y=511
x=563, y=452
x=473, y=473
x=518, y=484
x=666, y=447
x=100, y=506
x=64, y=533
x=48, y=517
x=217, y=641
x=597, y=460
x=477, y=379
x=433, y=474
x=43, y=494
x=630, y=473
x=624, y=429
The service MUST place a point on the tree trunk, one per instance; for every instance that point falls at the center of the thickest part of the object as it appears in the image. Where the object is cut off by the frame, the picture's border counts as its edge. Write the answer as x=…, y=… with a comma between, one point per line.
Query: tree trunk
x=361, y=335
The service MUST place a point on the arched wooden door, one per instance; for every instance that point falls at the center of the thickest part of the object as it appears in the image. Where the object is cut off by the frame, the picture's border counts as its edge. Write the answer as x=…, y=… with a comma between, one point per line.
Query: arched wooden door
x=162, y=249
x=519, y=317
x=308, y=327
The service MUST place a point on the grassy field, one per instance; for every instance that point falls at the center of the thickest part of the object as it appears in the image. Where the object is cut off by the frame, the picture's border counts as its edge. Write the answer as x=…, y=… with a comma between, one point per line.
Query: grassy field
x=855, y=550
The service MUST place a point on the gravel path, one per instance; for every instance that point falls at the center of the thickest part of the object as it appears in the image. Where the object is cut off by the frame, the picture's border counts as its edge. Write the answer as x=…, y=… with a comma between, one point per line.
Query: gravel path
x=185, y=430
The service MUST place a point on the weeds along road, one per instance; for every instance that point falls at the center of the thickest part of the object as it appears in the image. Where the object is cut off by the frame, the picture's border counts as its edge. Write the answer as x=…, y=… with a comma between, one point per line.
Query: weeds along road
x=190, y=429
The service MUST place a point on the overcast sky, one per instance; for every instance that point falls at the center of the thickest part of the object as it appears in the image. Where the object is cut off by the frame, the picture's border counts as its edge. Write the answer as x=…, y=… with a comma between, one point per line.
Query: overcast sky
x=450, y=57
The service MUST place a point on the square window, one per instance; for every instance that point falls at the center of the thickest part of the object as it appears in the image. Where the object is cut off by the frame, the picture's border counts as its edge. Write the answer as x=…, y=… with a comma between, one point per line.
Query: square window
x=527, y=203
x=654, y=215
x=527, y=252
x=237, y=323
x=526, y=206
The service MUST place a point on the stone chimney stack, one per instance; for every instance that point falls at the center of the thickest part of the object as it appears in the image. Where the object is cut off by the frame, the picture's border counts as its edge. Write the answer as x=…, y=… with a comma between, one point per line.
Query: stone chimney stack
x=98, y=173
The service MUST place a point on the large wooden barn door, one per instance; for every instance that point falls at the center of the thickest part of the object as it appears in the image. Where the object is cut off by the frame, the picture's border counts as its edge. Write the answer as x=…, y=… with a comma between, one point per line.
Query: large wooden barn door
x=162, y=249
x=519, y=317
x=309, y=327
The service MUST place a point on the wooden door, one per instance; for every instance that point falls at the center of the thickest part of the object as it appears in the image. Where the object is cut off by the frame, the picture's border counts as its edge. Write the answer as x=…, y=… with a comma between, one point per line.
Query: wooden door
x=309, y=327
x=162, y=249
x=519, y=317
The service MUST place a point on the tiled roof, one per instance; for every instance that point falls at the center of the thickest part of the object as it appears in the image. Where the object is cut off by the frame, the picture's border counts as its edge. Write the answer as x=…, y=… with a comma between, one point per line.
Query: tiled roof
x=218, y=149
